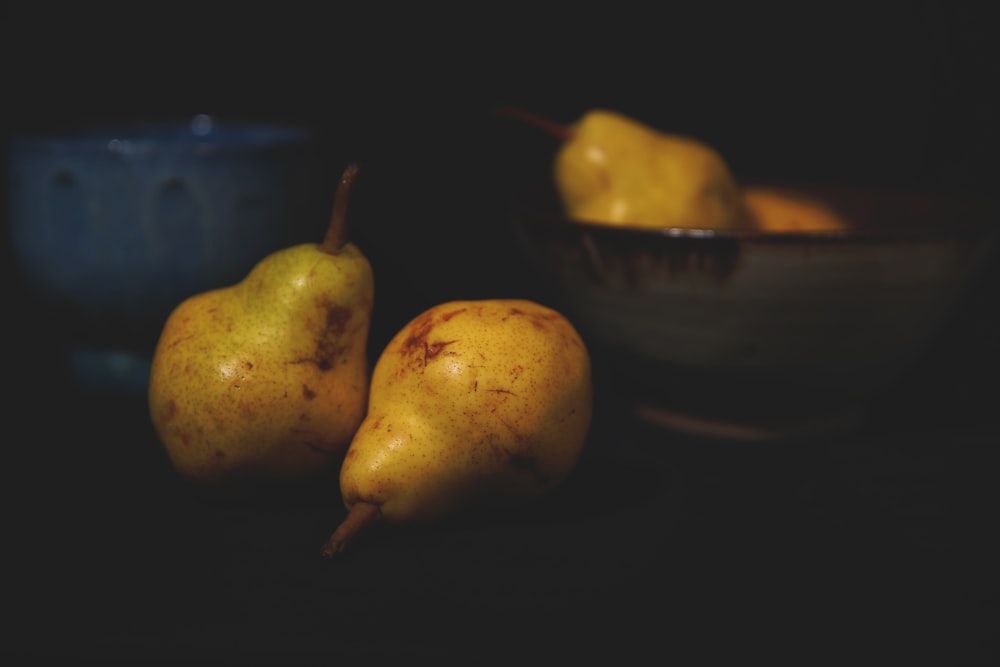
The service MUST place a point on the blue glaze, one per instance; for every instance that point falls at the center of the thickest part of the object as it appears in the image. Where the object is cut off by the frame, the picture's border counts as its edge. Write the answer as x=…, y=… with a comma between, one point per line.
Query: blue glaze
x=119, y=224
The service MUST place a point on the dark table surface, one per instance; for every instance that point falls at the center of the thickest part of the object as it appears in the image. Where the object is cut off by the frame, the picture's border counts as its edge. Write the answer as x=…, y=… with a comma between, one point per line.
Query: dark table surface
x=874, y=547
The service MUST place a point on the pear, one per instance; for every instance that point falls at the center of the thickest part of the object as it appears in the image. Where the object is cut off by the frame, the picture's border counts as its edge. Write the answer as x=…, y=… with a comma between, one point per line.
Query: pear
x=613, y=169
x=267, y=380
x=473, y=404
x=774, y=210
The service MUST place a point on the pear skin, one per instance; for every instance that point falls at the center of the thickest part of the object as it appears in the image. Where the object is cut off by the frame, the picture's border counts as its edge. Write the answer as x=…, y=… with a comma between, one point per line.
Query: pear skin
x=472, y=403
x=612, y=169
x=267, y=380
x=773, y=210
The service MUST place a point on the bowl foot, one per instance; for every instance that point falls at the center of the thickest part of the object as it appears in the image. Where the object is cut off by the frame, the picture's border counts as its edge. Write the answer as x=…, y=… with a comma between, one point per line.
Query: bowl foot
x=732, y=430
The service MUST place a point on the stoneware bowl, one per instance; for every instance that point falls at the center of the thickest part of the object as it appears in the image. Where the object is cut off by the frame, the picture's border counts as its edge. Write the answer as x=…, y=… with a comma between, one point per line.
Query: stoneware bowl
x=762, y=335
x=111, y=227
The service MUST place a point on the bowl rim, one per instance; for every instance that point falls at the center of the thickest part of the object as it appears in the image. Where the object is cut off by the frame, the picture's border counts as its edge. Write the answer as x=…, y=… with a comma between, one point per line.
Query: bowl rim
x=200, y=134
x=975, y=213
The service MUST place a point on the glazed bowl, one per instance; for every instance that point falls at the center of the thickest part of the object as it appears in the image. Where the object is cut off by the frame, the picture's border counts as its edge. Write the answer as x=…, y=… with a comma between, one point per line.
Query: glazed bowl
x=113, y=226
x=762, y=335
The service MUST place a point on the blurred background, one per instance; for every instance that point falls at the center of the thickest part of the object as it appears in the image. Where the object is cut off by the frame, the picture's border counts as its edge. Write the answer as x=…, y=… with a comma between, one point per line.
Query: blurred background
x=890, y=94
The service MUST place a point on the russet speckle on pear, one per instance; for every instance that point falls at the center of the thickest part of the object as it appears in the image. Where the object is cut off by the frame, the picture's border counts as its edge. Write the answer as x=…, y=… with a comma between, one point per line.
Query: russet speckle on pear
x=267, y=380
x=472, y=402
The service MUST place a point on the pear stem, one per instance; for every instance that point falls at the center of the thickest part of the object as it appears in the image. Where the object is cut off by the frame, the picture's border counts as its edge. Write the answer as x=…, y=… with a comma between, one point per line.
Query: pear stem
x=358, y=517
x=557, y=130
x=336, y=232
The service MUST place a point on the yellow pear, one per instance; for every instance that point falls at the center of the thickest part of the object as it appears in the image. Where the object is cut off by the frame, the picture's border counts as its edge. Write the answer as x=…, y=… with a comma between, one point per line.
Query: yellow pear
x=267, y=380
x=613, y=169
x=472, y=403
x=774, y=210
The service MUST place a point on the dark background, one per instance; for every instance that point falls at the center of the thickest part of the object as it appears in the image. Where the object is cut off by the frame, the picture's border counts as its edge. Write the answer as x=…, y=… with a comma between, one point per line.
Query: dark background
x=884, y=93
x=872, y=548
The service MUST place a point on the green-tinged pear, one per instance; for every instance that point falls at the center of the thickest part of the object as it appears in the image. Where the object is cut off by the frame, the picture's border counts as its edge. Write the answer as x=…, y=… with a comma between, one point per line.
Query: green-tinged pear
x=267, y=380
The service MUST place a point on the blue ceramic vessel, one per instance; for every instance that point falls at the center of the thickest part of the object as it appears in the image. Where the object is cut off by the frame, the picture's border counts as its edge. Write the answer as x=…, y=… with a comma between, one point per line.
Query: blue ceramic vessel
x=114, y=226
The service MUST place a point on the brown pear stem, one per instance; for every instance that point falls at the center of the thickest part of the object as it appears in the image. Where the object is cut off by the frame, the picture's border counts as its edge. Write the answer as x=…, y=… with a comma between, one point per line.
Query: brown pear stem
x=336, y=232
x=358, y=517
x=557, y=130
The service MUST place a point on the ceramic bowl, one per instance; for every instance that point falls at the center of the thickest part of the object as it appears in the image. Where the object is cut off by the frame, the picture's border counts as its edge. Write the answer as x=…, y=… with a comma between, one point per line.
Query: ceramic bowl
x=762, y=335
x=113, y=226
